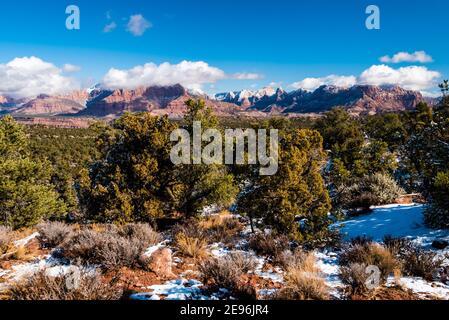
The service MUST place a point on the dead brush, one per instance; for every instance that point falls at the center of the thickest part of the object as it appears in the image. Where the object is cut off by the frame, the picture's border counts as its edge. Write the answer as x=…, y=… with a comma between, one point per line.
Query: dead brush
x=52, y=234
x=355, y=260
x=226, y=272
x=303, y=281
x=355, y=277
x=6, y=238
x=89, y=286
x=221, y=228
x=268, y=244
x=141, y=231
x=371, y=254
x=108, y=248
x=190, y=246
x=416, y=261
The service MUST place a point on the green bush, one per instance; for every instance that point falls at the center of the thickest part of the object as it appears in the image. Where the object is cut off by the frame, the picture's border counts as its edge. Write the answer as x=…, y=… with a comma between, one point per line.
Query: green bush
x=27, y=195
x=437, y=214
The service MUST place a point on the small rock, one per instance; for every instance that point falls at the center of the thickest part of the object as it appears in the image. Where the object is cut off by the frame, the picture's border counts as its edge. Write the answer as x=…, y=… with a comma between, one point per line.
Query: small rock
x=440, y=244
x=161, y=263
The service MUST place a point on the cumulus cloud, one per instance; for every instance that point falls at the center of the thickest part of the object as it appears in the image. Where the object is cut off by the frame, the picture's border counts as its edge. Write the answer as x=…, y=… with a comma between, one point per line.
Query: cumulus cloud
x=31, y=76
x=417, y=56
x=109, y=27
x=191, y=75
x=412, y=77
x=246, y=76
x=311, y=84
x=417, y=78
x=71, y=68
x=137, y=25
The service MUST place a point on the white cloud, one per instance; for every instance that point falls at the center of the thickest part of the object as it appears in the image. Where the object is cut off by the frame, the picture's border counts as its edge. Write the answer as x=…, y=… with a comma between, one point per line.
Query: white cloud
x=137, y=25
x=417, y=56
x=191, y=75
x=417, y=78
x=31, y=76
x=247, y=76
x=70, y=68
x=412, y=78
x=109, y=27
x=311, y=84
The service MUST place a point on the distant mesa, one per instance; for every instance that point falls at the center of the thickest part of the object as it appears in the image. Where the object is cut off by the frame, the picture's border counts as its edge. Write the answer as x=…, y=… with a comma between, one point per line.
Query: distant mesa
x=169, y=100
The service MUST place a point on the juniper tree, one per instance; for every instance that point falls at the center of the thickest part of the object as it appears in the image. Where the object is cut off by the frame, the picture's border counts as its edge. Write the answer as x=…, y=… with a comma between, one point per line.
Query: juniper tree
x=136, y=180
x=294, y=201
x=26, y=193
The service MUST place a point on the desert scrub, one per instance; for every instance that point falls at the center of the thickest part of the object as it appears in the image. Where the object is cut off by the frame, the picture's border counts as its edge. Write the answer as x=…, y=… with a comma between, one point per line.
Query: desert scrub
x=303, y=281
x=362, y=193
x=52, y=234
x=6, y=237
x=268, y=244
x=111, y=248
x=356, y=257
x=226, y=273
x=88, y=286
x=141, y=231
x=190, y=246
x=416, y=261
x=221, y=228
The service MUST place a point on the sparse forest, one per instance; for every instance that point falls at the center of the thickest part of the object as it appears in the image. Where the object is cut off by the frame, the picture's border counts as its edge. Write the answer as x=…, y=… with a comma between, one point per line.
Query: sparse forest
x=105, y=195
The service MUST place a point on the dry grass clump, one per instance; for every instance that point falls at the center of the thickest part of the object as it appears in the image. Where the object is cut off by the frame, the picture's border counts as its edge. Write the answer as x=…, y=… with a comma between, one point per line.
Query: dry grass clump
x=221, y=228
x=355, y=260
x=355, y=277
x=88, y=286
x=191, y=246
x=287, y=258
x=269, y=245
x=111, y=248
x=226, y=273
x=52, y=234
x=303, y=280
x=415, y=261
x=370, y=254
x=6, y=238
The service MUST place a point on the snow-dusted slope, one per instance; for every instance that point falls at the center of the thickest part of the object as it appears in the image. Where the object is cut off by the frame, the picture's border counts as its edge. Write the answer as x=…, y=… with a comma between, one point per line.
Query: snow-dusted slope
x=395, y=220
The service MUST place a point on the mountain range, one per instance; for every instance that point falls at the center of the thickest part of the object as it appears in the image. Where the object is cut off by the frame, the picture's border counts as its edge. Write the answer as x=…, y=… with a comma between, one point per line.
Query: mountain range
x=169, y=100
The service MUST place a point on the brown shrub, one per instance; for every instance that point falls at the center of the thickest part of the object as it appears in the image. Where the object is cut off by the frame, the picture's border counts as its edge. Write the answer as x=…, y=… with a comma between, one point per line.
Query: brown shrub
x=89, y=286
x=191, y=246
x=142, y=232
x=243, y=261
x=108, y=248
x=370, y=254
x=303, y=281
x=6, y=237
x=416, y=261
x=221, y=228
x=52, y=234
x=268, y=245
x=226, y=272
x=355, y=277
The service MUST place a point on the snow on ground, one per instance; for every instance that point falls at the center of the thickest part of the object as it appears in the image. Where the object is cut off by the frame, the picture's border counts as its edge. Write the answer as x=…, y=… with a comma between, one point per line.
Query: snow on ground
x=398, y=221
x=53, y=267
x=423, y=288
x=395, y=220
x=275, y=274
x=327, y=262
x=24, y=241
x=180, y=289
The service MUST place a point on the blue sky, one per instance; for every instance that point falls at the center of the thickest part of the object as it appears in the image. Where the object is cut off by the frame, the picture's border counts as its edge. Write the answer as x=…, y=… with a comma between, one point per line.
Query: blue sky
x=282, y=42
